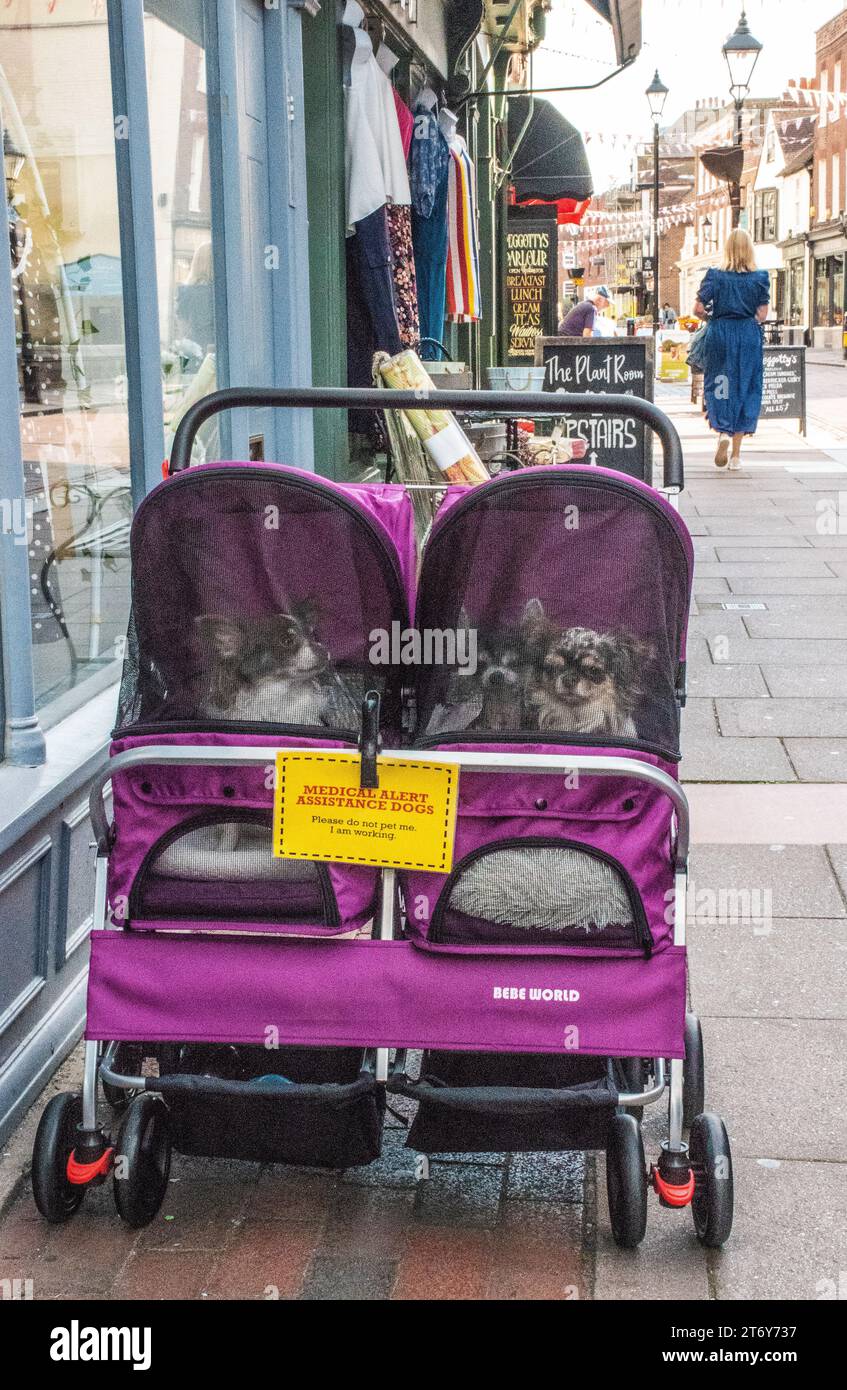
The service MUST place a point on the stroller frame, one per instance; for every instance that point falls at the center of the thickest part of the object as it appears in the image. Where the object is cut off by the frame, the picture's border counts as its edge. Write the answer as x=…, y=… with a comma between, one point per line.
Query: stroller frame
x=678, y=1171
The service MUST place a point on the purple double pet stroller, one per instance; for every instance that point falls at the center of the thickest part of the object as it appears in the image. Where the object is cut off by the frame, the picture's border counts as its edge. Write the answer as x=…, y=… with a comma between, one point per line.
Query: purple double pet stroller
x=534, y=998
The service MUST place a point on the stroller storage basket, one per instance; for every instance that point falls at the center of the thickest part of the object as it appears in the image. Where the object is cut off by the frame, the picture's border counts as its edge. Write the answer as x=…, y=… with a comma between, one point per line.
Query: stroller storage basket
x=471, y=1102
x=291, y=1105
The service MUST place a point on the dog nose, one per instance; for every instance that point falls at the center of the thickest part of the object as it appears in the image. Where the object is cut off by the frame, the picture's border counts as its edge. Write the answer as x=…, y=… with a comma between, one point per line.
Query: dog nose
x=499, y=678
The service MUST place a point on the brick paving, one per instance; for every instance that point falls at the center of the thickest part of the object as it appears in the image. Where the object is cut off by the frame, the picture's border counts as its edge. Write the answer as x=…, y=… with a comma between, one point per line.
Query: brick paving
x=500, y=1228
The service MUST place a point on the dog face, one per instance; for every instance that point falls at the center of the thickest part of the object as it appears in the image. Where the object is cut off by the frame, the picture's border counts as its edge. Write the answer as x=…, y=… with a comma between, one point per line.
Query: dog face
x=246, y=654
x=589, y=682
x=503, y=664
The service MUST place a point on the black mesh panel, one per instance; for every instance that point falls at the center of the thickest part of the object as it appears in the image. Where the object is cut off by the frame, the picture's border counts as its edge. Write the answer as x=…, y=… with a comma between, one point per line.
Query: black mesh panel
x=564, y=599
x=254, y=597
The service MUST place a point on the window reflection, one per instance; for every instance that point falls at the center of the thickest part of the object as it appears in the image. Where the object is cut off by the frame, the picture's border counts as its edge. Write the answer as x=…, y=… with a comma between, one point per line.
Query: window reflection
x=174, y=40
x=61, y=200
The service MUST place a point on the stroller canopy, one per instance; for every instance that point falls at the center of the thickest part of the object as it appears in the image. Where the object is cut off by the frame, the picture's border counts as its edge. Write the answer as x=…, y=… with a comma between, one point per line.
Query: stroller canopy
x=575, y=585
x=254, y=591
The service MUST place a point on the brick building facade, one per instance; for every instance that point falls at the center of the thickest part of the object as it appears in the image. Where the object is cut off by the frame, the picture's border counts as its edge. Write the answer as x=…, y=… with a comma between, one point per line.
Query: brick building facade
x=828, y=224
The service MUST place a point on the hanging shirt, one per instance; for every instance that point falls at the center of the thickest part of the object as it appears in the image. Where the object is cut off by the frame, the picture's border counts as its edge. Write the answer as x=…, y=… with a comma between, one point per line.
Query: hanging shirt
x=428, y=161
x=463, y=280
x=405, y=120
x=374, y=161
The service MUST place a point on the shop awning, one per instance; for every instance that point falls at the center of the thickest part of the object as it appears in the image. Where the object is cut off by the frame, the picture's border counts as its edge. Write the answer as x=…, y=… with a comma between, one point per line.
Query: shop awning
x=625, y=19
x=550, y=163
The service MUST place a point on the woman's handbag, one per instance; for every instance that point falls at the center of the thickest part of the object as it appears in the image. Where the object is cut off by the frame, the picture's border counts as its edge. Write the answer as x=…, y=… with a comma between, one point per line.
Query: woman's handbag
x=697, y=349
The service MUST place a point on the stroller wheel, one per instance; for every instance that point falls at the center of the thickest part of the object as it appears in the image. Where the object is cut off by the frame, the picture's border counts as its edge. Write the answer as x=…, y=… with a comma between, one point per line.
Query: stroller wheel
x=693, y=1072
x=626, y=1181
x=712, y=1203
x=56, y=1198
x=142, y=1159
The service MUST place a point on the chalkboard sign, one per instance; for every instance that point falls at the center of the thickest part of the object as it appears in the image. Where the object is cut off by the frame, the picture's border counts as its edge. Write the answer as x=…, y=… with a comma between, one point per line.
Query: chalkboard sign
x=531, y=280
x=784, y=394
x=604, y=366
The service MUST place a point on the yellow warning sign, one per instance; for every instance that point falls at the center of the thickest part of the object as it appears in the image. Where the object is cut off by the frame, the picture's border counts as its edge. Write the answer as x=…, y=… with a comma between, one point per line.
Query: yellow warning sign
x=407, y=822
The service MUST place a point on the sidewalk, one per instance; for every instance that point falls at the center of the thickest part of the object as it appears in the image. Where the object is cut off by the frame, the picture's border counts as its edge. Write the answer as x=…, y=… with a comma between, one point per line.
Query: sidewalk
x=765, y=740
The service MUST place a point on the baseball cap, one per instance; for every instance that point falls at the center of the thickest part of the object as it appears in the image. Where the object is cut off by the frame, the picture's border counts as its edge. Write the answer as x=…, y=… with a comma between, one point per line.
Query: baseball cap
x=605, y=291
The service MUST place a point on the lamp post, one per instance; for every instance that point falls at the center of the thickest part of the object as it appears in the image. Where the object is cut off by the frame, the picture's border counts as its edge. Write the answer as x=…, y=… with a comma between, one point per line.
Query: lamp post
x=657, y=95
x=741, y=52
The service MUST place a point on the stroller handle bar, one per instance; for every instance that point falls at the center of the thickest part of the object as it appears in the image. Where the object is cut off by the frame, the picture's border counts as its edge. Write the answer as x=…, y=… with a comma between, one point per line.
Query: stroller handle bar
x=188, y=755
x=516, y=403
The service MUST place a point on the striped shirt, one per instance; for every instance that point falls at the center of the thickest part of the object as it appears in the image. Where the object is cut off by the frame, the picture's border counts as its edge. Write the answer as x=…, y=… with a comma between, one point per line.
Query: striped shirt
x=463, y=283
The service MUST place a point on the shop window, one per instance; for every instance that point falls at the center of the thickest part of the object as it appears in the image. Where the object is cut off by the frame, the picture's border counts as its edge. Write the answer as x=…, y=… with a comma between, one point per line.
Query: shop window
x=829, y=292
x=174, y=41
x=795, y=311
x=62, y=220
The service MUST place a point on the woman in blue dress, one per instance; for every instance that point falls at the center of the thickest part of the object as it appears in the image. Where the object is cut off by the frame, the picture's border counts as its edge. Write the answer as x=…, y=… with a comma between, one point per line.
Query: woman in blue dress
x=735, y=301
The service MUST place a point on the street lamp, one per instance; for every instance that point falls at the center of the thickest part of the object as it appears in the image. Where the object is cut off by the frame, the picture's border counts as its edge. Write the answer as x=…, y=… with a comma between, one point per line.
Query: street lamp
x=657, y=95
x=741, y=52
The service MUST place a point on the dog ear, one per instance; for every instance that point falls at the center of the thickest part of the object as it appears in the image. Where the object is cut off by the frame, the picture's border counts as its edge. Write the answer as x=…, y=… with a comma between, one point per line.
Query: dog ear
x=635, y=653
x=224, y=637
x=534, y=624
x=306, y=612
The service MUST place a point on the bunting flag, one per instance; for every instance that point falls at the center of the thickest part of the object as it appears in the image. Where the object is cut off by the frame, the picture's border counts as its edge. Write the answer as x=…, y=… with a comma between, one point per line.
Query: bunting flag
x=463, y=280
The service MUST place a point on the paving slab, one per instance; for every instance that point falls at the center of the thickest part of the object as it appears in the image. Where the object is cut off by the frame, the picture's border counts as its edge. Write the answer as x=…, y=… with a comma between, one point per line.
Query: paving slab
x=716, y=759
x=703, y=587
x=799, y=878
x=741, y=554
x=461, y=1194
x=802, y=717
x=803, y=565
x=815, y=760
x=698, y=717
x=795, y=587
x=778, y=1084
x=724, y=679
x=726, y=526
x=718, y=622
x=762, y=651
x=788, y=813
x=546, y=1177
x=783, y=967
x=728, y=547
x=821, y=542
x=810, y=624
x=789, y=1238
